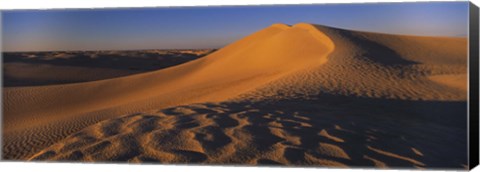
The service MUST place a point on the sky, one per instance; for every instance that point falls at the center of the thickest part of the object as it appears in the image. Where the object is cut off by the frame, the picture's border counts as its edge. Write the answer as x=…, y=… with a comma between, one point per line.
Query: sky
x=214, y=27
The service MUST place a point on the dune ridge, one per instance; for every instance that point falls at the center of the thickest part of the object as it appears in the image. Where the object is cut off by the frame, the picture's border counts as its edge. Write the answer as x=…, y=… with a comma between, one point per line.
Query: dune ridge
x=279, y=96
x=380, y=66
x=187, y=83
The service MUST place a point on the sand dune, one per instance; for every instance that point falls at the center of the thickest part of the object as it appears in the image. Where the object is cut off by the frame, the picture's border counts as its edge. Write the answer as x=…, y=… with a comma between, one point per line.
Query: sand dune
x=33, y=74
x=57, y=67
x=452, y=80
x=377, y=66
x=293, y=95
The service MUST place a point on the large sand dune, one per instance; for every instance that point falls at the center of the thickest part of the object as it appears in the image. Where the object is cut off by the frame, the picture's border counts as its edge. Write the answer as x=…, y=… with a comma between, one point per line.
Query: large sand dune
x=302, y=94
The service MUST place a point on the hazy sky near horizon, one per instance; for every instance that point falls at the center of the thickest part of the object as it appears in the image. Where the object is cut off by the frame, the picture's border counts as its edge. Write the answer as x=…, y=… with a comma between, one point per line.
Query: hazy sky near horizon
x=214, y=27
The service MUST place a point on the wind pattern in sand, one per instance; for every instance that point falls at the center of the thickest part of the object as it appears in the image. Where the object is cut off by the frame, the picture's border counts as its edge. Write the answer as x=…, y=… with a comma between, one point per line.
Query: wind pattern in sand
x=286, y=95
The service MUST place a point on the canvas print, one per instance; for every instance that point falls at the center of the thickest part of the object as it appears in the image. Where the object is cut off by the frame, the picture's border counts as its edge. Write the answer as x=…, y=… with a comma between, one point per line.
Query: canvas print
x=378, y=85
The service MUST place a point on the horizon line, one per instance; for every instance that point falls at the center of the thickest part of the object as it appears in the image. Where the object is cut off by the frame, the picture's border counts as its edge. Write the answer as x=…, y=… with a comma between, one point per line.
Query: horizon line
x=465, y=36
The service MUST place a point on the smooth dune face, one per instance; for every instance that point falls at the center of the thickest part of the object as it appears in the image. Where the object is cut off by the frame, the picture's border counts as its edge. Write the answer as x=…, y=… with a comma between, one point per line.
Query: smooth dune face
x=206, y=79
x=293, y=95
x=376, y=66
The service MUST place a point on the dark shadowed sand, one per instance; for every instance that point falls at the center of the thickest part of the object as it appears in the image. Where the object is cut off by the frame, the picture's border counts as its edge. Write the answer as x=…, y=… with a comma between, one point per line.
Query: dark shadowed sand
x=285, y=95
x=60, y=67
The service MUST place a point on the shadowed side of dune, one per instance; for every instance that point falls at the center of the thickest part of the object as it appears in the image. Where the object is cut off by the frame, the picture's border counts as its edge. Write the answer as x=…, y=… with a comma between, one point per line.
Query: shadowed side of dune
x=57, y=67
x=293, y=95
x=252, y=61
x=373, y=65
x=333, y=131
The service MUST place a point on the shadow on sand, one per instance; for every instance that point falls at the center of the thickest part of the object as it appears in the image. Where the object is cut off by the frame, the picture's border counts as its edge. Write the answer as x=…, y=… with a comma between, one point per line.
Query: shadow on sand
x=340, y=130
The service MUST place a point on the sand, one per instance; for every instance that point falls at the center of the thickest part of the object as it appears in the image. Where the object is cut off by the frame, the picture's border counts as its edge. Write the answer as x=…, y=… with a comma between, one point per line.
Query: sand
x=285, y=95
x=59, y=67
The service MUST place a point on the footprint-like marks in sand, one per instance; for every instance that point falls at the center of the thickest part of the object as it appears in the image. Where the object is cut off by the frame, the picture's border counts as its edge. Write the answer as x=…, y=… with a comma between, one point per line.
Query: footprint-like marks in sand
x=212, y=138
x=236, y=133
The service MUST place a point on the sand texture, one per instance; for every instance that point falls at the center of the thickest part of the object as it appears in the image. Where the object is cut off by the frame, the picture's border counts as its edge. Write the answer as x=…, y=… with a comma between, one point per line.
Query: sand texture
x=285, y=95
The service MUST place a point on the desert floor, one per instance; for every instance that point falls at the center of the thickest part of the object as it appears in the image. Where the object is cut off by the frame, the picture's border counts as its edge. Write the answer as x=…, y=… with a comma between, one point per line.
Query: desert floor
x=305, y=94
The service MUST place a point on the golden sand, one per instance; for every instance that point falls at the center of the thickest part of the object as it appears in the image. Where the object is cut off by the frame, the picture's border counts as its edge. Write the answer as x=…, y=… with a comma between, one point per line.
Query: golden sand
x=293, y=95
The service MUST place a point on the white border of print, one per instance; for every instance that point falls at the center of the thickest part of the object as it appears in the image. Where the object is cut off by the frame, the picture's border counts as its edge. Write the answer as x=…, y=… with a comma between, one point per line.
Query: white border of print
x=57, y=4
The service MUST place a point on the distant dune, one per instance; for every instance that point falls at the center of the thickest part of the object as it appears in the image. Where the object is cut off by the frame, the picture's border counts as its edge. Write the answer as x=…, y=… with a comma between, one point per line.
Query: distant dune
x=60, y=67
x=293, y=95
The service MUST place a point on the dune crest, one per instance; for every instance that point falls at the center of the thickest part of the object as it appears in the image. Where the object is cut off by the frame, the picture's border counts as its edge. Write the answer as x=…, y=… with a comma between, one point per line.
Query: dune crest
x=373, y=65
x=253, y=61
x=285, y=95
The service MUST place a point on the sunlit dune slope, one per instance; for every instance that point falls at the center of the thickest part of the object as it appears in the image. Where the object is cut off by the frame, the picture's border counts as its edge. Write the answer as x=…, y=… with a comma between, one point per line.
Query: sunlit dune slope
x=302, y=95
x=374, y=65
x=242, y=66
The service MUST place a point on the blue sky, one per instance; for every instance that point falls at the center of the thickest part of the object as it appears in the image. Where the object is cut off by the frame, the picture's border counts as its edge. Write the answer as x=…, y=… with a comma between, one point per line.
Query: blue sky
x=214, y=27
